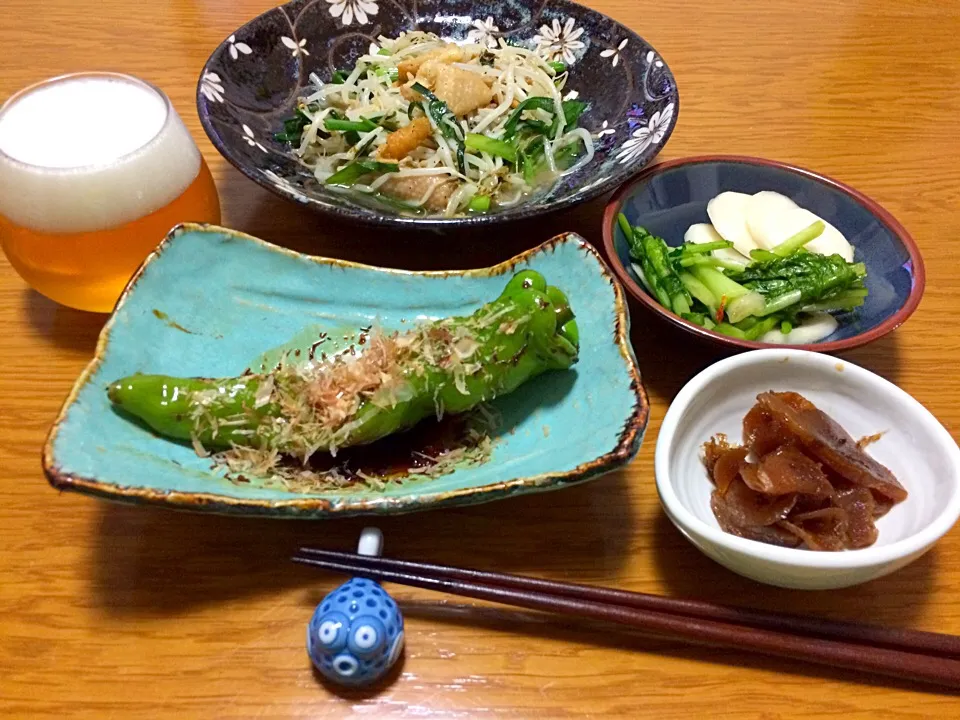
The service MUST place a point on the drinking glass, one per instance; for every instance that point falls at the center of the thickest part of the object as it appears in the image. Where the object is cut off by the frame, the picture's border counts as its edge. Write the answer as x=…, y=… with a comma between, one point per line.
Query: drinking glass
x=95, y=168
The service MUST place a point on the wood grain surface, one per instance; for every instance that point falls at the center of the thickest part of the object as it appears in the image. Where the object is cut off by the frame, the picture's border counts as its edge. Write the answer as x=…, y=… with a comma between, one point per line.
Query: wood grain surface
x=112, y=611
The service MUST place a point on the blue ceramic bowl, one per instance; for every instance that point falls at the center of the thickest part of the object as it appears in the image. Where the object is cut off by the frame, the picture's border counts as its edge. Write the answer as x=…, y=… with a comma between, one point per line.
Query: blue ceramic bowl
x=252, y=81
x=669, y=197
x=211, y=302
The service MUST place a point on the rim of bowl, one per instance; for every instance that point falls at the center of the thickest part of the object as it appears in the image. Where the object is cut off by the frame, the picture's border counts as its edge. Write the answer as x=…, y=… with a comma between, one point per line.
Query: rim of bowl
x=793, y=557
x=371, y=218
x=872, y=206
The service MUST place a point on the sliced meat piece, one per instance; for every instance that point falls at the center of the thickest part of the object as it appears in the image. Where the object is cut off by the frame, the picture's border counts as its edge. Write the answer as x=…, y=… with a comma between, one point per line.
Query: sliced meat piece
x=416, y=186
x=827, y=441
x=820, y=530
x=727, y=468
x=859, y=505
x=731, y=521
x=761, y=433
x=463, y=91
x=747, y=509
x=788, y=470
x=449, y=53
x=404, y=141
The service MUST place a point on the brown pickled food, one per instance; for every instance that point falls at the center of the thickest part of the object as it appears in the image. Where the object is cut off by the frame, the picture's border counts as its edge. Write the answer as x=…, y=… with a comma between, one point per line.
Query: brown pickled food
x=798, y=480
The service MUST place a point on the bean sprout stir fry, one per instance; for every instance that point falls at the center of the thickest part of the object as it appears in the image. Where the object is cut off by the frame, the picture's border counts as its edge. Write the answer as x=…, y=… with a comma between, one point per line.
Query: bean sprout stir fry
x=432, y=127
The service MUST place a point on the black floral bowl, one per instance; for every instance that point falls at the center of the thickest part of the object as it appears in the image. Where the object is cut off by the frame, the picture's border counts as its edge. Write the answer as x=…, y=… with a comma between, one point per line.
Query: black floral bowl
x=252, y=81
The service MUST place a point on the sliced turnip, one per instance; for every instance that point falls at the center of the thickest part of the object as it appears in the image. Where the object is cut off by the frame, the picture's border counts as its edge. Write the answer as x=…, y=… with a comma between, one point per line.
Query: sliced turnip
x=764, y=210
x=727, y=212
x=814, y=329
x=777, y=229
x=705, y=233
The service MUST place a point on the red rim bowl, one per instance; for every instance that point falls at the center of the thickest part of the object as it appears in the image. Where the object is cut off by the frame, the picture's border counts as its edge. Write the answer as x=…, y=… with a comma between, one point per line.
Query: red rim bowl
x=883, y=216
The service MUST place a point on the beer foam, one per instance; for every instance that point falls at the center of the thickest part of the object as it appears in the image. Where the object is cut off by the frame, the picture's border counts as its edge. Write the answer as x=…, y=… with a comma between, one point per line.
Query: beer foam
x=89, y=152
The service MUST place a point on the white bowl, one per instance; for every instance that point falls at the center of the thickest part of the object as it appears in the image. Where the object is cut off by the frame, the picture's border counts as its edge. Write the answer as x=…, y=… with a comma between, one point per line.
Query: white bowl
x=915, y=446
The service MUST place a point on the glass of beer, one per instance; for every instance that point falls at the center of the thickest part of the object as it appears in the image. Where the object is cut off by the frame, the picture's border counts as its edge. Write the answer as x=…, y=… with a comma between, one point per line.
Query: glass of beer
x=95, y=168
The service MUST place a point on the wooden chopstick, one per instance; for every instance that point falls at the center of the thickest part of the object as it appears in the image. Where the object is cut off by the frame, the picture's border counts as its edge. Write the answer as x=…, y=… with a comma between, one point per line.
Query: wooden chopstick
x=854, y=656
x=916, y=641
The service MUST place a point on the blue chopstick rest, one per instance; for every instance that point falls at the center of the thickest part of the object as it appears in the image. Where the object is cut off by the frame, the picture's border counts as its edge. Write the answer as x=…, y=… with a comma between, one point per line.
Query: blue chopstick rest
x=356, y=633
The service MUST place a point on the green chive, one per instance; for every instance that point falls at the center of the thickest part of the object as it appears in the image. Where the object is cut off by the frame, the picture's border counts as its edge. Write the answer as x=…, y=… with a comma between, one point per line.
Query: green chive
x=572, y=110
x=531, y=103
x=350, y=173
x=362, y=125
x=445, y=120
x=415, y=105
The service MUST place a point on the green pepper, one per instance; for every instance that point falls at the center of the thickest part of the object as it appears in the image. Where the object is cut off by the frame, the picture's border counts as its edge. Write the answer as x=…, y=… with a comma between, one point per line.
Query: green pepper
x=528, y=330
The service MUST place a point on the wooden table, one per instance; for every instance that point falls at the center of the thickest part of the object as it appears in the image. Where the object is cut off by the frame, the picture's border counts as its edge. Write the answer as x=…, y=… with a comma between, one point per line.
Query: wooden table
x=114, y=611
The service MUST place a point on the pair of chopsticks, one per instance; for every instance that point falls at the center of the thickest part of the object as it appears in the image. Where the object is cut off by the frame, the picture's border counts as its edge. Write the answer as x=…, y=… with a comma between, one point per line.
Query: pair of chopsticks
x=904, y=654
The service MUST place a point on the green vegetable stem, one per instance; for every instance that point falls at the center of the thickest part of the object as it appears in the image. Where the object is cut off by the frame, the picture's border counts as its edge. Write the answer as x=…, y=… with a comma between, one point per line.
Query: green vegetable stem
x=350, y=173
x=479, y=203
x=745, y=301
x=793, y=243
x=336, y=125
x=654, y=257
x=482, y=143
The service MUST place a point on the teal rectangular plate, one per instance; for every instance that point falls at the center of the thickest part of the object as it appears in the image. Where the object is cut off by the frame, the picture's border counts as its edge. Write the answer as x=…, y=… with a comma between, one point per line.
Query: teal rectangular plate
x=209, y=301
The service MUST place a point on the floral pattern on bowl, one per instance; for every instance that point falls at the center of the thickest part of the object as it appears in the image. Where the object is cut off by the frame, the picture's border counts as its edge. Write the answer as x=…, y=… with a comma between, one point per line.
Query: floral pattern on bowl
x=252, y=81
x=209, y=300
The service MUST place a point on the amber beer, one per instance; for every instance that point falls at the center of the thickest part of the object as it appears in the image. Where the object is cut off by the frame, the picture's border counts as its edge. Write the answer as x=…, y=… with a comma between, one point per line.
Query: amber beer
x=95, y=168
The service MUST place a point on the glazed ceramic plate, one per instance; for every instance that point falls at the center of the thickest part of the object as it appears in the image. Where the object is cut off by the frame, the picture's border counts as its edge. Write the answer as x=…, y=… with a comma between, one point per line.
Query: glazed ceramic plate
x=252, y=82
x=670, y=197
x=209, y=302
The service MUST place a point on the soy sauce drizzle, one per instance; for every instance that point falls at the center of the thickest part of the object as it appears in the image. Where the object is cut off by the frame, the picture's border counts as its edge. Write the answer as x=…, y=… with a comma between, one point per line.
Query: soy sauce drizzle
x=399, y=456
